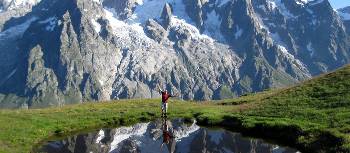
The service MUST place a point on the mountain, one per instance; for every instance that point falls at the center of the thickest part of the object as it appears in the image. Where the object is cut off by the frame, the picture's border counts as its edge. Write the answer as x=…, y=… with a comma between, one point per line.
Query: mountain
x=344, y=14
x=56, y=52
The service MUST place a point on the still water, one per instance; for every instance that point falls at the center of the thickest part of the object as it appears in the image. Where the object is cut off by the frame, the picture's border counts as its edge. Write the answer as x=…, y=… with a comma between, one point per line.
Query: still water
x=162, y=136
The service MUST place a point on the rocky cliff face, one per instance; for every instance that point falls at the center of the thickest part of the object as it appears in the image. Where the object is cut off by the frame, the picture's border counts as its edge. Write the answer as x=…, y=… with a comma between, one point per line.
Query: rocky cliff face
x=55, y=52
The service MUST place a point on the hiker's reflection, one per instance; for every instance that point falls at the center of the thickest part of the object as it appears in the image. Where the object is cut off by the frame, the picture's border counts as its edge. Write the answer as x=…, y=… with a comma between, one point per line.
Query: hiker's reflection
x=168, y=137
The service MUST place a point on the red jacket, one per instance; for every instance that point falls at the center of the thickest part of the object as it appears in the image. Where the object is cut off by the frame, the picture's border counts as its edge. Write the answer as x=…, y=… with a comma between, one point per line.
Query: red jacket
x=166, y=136
x=165, y=97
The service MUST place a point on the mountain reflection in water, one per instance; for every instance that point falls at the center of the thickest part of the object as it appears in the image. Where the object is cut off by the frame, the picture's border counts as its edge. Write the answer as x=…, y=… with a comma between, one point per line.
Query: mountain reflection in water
x=162, y=136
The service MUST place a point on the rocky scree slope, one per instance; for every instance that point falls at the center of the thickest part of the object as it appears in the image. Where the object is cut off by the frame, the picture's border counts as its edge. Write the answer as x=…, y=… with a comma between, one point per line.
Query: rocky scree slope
x=55, y=52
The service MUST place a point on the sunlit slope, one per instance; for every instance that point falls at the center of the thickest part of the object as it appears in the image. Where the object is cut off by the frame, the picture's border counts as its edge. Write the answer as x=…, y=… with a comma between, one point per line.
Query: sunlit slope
x=324, y=100
x=317, y=112
x=313, y=116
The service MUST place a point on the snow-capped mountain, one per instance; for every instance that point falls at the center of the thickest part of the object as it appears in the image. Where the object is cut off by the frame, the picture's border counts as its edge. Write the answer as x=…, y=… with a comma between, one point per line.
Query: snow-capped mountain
x=55, y=52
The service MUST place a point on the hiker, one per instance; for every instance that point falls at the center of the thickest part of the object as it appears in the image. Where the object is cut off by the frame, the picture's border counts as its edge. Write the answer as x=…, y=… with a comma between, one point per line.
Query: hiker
x=165, y=97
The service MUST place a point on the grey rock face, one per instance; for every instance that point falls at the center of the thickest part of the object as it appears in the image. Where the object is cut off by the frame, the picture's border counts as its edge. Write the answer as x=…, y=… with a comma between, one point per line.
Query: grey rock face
x=166, y=15
x=195, y=11
x=58, y=52
x=156, y=31
x=41, y=83
x=123, y=7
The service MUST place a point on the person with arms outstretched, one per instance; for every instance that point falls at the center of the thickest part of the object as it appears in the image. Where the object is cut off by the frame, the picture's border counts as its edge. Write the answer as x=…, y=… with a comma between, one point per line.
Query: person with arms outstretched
x=165, y=97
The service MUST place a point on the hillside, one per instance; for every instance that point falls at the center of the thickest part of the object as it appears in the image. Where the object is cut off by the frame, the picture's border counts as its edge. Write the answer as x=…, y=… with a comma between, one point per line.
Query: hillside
x=313, y=116
x=318, y=110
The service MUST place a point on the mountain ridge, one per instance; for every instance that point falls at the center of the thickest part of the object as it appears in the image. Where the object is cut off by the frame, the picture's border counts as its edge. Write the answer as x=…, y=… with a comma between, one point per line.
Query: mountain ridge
x=102, y=50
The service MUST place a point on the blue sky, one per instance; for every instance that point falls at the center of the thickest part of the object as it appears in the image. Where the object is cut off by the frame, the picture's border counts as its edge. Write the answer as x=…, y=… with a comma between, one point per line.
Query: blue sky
x=339, y=3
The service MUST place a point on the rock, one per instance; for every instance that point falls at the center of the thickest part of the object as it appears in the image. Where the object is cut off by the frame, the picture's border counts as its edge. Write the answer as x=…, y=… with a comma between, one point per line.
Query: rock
x=62, y=51
x=194, y=11
x=41, y=83
x=166, y=16
x=123, y=8
x=155, y=31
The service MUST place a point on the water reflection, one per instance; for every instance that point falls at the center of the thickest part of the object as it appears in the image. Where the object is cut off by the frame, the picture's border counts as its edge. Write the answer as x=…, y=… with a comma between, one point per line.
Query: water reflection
x=162, y=136
x=168, y=136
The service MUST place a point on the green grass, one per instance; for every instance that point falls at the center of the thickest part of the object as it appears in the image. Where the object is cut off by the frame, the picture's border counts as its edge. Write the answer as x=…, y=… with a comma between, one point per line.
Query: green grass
x=320, y=108
x=313, y=116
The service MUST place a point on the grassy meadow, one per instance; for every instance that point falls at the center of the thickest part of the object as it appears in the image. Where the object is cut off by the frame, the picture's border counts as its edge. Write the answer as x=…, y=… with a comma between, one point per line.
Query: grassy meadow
x=313, y=116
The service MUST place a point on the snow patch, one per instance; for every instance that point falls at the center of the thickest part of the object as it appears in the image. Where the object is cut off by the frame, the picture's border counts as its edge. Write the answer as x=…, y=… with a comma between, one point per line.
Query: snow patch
x=140, y=2
x=280, y=6
x=303, y=2
x=121, y=28
x=300, y=2
x=52, y=22
x=212, y=26
x=283, y=10
x=96, y=25
x=152, y=9
x=101, y=82
x=193, y=31
x=297, y=63
x=312, y=2
x=271, y=5
x=100, y=136
x=51, y=26
x=140, y=46
x=147, y=9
